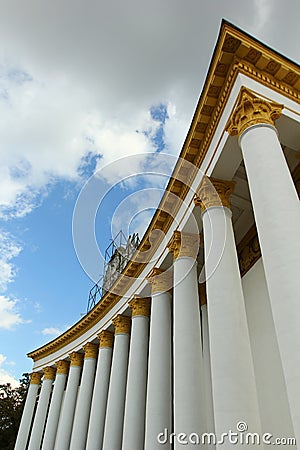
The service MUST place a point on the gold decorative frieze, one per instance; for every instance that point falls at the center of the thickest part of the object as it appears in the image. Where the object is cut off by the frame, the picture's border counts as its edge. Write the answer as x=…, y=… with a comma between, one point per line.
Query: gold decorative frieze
x=90, y=350
x=248, y=250
x=252, y=110
x=76, y=359
x=140, y=306
x=35, y=377
x=184, y=244
x=214, y=192
x=161, y=280
x=122, y=324
x=62, y=367
x=106, y=339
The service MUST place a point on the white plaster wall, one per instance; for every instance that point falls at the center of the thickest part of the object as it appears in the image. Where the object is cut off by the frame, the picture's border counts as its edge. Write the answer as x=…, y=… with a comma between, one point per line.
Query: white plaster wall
x=272, y=395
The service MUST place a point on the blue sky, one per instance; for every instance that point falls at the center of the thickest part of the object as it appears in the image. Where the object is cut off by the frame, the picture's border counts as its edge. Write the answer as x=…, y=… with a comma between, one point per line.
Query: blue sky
x=81, y=86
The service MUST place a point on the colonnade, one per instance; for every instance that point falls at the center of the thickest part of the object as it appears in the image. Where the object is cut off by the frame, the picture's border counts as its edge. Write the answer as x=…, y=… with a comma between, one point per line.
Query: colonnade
x=191, y=370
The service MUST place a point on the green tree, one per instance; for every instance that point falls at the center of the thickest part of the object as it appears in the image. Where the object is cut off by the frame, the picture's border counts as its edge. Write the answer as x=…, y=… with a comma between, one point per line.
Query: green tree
x=11, y=406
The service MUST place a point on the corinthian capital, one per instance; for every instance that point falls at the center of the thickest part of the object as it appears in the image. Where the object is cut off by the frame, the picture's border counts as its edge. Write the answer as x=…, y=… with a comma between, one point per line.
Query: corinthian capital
x=184, y=244
x=140, y=306
x=252, y=110
x=122, y=324
x=214, y=192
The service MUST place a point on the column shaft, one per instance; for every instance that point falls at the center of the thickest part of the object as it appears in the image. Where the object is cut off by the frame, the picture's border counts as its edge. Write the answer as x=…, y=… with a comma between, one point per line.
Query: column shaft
x=134, y=417
x=65, y=424
x=113, y=430
x=99, y=400
x=54, y=411
x=40, y=416
x=159, y=387
x=233, y=380
x=28, y=411
x=277, y=215
x=207, y=372
x=189, y=397
x=83, y=405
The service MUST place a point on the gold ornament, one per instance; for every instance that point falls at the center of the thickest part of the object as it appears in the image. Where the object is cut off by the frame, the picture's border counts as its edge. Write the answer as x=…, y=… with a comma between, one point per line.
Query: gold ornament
x=140, y=306
x=252, y=110
x=214, y=192
x=35, y=377
x=184, y=244
x=90, y=350
x=161, y=280
x=76, y=359
x=106, y=339
x=62, y=367
x=122, y=324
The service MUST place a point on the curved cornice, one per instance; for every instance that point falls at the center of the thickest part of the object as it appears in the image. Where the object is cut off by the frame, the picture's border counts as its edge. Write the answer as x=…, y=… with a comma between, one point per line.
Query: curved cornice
x=235, y=52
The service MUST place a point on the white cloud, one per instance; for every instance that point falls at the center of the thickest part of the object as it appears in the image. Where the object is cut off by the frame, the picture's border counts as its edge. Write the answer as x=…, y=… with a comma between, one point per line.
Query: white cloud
x=88, y=86
x=9, y=314
x=5, y=376
x=9, y=249
x=54, y=331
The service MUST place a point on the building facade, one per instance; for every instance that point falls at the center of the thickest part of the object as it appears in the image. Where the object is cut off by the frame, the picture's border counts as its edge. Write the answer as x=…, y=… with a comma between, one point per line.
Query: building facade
x=198, y=341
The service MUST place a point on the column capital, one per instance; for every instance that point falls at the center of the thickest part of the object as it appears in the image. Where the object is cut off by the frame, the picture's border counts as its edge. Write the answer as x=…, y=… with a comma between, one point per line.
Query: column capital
x=140, y=306
x=184, y=244
x=122, y=324
x=90, y=350
x=214, y=192
x=161, y=280
x=76, y=359
x=62, y=367
x=251, y=110
x=35, y=377
x=106, y=339
x=49, y=373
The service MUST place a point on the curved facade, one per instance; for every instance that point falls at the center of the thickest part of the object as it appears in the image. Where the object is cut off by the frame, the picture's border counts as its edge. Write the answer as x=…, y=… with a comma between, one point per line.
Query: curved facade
x=198, y=341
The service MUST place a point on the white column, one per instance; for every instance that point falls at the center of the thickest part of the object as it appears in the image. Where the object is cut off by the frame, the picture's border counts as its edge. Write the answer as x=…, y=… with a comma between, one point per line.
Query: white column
x=65, y=423
x=55, y=405
x=207, y=367
x=159, y=386
x=189, y=397
x=134, y=417
x=277, y=215
x=28, y=411
x=84, y=399
x=233, y=379
x=117, y=388
x=99, y=400
x=42, y=408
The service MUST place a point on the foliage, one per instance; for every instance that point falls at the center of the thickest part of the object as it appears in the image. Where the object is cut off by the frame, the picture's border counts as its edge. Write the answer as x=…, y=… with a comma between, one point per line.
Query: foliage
x=11, y=407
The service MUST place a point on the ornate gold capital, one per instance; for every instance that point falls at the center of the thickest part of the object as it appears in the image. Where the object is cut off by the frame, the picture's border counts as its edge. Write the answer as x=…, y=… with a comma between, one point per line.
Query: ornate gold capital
x=49, y=373
x=62, y=367
x=140, y=306
x=214, y=192
x=90, y=350
x=161, y=280
x=35, y=377
x=106, y=339
x=122, y=324
x=251, y=110
x=76, y=359
x=184, y=244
